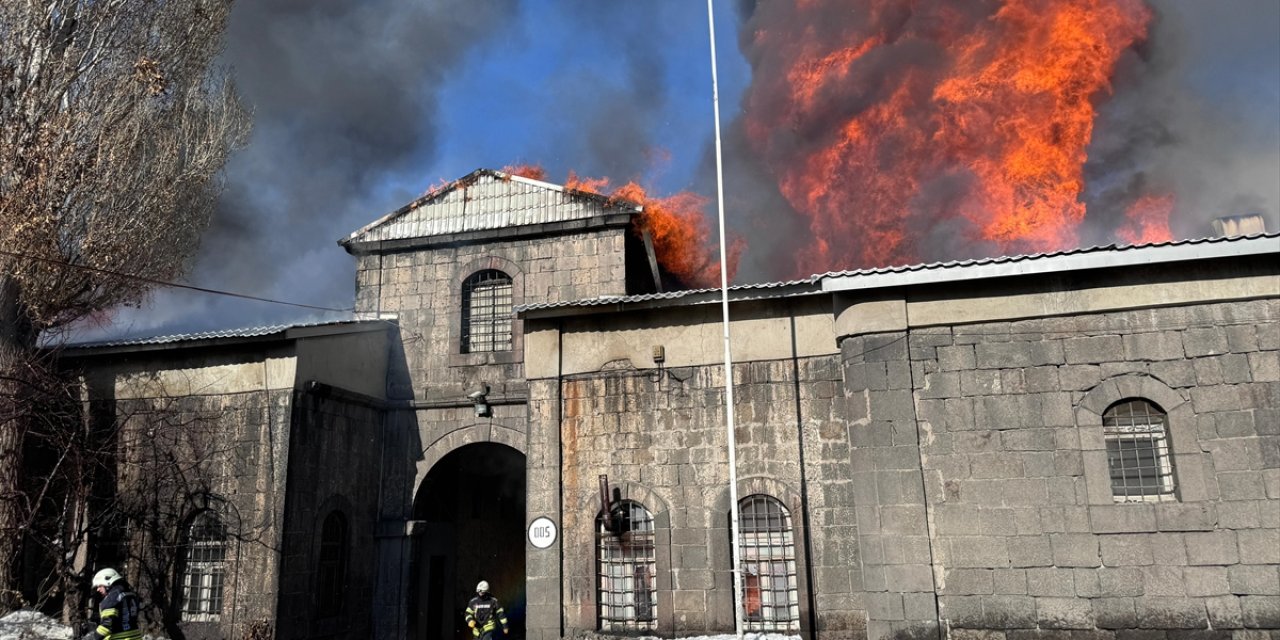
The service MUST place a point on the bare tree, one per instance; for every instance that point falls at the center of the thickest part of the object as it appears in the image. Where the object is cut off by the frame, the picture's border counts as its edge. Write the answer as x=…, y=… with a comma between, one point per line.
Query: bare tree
x=115, y=121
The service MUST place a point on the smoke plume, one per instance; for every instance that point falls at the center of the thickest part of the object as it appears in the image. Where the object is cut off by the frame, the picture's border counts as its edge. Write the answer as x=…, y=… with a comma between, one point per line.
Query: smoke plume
x=344, y=97
x=896, y=132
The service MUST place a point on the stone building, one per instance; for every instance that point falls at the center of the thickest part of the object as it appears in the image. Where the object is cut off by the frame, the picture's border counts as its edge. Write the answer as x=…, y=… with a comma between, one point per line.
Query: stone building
x=1080, y=444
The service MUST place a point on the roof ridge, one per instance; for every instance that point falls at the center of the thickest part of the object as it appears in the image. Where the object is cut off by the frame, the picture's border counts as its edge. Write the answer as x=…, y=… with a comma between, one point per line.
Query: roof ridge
x=440, y=191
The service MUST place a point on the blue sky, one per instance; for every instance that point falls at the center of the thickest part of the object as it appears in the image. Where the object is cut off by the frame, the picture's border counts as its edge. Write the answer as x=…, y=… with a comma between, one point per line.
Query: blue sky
x=507, y=104
x=362, y=105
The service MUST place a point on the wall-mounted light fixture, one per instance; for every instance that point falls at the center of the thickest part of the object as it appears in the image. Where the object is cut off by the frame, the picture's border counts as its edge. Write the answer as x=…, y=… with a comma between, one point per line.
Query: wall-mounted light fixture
x=480, y=399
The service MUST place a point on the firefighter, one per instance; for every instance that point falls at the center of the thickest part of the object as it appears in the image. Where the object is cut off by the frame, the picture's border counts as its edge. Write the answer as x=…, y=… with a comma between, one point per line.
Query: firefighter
x=118, y=610
x=484, y=614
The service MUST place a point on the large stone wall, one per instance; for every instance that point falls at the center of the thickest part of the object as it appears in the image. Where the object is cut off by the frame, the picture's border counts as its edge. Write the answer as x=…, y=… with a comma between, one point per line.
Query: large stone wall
x=336, y=450
x=430, y=378
x=180, y=455
x=1011, y=486
x=423, y=288
x=660, y=437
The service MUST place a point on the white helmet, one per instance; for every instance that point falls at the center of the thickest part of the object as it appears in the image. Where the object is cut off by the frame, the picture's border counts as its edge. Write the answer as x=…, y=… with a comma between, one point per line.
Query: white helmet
x=483, y=587
x=106, y=578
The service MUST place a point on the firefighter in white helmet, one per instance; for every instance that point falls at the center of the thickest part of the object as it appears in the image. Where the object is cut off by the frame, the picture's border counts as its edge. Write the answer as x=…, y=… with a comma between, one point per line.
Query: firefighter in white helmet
x=484, y=614
x=118, y=609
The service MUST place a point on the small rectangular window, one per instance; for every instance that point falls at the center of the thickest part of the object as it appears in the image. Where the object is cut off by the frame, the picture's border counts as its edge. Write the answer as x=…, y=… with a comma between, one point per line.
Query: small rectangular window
x=1138, y=452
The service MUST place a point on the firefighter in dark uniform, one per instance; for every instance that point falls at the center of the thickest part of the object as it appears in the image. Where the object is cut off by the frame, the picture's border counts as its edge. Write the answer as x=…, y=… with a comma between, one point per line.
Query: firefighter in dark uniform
x=484, y=614
x=118, y=611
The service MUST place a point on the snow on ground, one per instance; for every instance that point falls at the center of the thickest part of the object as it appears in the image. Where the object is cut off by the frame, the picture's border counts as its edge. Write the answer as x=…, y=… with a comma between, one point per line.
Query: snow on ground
x=32, y=625
x=746, y=636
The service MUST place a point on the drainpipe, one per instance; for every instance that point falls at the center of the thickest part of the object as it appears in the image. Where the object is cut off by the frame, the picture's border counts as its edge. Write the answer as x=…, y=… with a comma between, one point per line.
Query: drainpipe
x=804, y=487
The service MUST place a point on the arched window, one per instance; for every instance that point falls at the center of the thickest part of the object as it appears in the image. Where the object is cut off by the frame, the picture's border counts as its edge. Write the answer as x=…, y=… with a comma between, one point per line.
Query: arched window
x=1138, y=451
x=771, y=600
x=486, y=312
x=204, y=568
x=331, y=574
x=627, y=569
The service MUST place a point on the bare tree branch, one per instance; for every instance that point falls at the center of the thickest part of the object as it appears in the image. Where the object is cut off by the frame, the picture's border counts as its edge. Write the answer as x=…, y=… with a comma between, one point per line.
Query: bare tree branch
x=115, y=123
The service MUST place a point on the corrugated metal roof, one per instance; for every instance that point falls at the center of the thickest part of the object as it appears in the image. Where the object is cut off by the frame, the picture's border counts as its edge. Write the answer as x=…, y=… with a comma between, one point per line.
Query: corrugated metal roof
x=743, y=291
x=224, y=334
x=1112, y=255
x=1082, y=258
x=487, y=199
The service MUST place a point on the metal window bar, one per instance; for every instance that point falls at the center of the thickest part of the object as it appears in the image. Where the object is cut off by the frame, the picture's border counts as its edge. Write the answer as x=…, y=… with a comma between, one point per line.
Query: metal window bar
x=771, y=596
x=204, y=570
x=486, y=312
x=331, y=572
x=1138, y=452
x=627, y=573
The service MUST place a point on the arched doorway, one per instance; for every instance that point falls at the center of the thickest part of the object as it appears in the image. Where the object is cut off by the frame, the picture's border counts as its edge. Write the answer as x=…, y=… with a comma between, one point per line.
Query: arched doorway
x=472, y=509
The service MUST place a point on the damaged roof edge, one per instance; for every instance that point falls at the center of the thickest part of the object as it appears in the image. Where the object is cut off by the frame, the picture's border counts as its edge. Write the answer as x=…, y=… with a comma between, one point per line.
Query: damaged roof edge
x=354, y=237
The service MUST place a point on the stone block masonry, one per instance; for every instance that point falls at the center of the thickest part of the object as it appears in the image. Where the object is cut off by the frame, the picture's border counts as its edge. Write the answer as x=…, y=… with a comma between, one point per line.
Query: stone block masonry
x=1024, y=534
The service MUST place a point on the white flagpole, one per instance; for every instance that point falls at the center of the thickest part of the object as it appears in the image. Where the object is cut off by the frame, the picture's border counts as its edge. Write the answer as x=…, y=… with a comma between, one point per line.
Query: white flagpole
x=728, y=361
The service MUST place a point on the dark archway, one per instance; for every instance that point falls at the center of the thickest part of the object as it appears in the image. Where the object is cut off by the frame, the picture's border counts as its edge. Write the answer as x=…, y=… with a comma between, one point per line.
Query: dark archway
x=471, y=507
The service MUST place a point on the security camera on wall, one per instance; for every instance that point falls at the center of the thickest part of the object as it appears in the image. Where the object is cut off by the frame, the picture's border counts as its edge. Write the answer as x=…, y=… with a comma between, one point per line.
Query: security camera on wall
x=481, y=403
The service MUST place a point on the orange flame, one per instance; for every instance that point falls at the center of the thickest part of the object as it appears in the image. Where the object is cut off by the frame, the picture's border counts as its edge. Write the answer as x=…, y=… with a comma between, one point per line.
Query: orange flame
x=589, y=185
x=530, y=171
x=676, y=224
x=934, y=118
x=1147, y=221
x=680, y=235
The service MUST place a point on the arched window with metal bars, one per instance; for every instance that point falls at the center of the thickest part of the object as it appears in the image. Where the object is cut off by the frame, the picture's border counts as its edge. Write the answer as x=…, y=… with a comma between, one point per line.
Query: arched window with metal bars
x=770, y=592
x=1137, y=437
x=627, y=569
x=486, y=312
x=204, y=568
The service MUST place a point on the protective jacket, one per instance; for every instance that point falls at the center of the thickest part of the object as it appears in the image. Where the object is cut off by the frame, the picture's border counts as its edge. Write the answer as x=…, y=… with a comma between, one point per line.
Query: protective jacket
x=118, y=615
x=485, y=615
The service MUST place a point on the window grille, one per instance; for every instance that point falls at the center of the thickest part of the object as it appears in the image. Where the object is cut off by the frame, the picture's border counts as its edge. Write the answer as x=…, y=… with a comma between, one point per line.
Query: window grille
x=627, y=572
x=204, y=569
x=486, y=312
x=331, y=574
x=771, y=598
x=1138, y=452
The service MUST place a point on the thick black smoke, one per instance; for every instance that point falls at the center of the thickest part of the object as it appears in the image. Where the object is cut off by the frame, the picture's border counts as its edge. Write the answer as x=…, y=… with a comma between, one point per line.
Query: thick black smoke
x=345, y=97
x=1196, y=113
x=343, y=94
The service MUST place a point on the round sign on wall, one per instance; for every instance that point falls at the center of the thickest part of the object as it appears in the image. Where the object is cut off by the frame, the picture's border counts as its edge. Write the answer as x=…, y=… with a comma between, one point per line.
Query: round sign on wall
x=542, y=532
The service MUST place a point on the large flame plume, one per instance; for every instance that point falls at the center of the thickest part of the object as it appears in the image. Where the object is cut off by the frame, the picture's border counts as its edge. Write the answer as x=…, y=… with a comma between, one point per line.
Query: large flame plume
x=906, y=130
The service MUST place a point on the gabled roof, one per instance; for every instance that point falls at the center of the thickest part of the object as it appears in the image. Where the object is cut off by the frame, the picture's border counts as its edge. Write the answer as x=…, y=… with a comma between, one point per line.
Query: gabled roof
x=484, y=200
